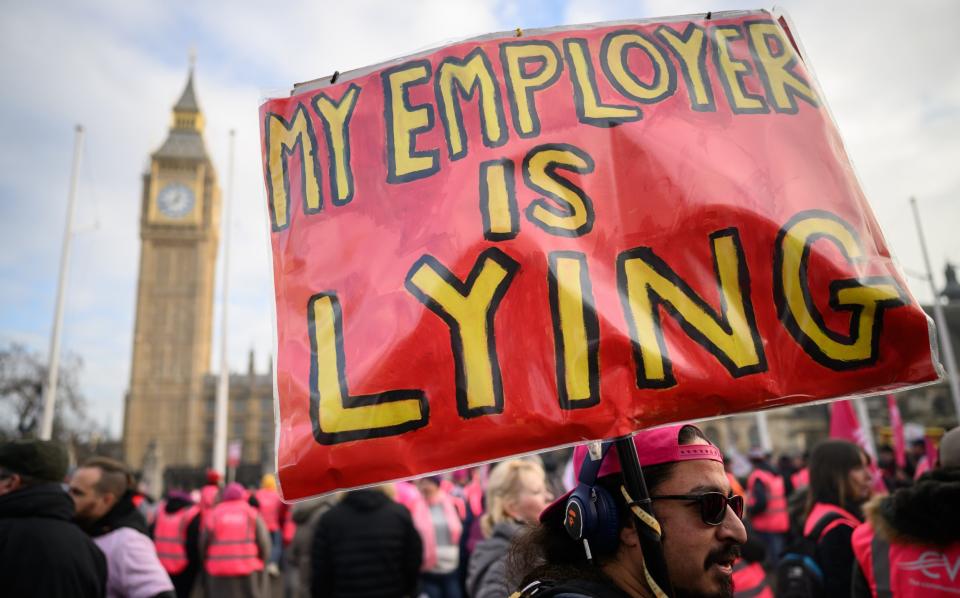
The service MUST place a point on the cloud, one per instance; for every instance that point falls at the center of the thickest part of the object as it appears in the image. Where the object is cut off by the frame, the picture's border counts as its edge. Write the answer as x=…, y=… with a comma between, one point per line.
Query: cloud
x=118, y=68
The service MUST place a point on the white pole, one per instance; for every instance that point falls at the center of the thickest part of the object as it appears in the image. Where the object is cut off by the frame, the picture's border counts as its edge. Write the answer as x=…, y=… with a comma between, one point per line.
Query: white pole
x=863, y=415
x=764, y=432
x=223, y=386
x=53, y=358
x=942, y=329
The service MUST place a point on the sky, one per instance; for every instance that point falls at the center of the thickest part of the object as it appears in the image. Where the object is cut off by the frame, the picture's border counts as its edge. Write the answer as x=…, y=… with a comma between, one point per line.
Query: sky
x=117, y=67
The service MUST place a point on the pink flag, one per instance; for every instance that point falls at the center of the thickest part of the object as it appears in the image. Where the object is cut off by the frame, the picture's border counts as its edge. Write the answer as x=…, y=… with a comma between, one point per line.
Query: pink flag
x=933, y=452
x=896, y=424
x=844, y=425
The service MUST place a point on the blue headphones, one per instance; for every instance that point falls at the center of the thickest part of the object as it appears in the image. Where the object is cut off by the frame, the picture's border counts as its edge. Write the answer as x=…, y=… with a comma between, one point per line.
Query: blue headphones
x=590, y=515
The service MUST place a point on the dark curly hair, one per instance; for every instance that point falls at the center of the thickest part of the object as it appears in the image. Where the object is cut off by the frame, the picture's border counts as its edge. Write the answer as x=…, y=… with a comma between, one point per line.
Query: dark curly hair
x=547, y=552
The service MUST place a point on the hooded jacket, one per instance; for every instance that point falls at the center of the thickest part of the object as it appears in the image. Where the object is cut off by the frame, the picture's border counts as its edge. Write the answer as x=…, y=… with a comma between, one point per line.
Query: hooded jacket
x=42, y=552
x=924, y=517
x=925, y=513
x=365, y=547
x=487, y=573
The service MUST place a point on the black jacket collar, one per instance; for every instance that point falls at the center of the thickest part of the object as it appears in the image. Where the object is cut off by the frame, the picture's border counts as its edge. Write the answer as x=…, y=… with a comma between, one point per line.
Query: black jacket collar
x=123, y=514
x=44, y=500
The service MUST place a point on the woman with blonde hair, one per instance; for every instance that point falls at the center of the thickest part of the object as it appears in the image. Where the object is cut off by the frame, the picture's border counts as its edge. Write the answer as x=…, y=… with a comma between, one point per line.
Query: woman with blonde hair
x=516, y=494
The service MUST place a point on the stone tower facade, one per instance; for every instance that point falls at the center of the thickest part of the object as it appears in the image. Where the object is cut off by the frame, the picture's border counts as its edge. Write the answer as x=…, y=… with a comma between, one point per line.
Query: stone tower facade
x=179, y=225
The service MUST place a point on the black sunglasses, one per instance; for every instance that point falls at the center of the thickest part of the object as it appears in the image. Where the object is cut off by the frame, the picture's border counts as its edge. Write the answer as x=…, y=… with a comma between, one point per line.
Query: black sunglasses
x=713, y=505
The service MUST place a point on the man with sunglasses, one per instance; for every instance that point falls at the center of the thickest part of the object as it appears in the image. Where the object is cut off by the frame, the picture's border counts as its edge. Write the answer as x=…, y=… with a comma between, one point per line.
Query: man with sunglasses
x=588, y=544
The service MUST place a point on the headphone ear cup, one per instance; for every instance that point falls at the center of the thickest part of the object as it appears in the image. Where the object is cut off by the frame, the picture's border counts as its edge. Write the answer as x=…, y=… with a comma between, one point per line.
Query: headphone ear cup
x=579, y=518
x=606, y=533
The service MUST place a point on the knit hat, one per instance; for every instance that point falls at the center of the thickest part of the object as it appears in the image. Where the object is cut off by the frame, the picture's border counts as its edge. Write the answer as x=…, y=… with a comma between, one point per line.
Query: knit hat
x=213, y=476
x=41, y=459
x=233, y=491
x=268, y=481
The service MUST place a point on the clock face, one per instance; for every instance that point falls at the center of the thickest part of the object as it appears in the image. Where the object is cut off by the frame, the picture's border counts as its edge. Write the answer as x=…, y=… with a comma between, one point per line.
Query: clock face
x=175, y=200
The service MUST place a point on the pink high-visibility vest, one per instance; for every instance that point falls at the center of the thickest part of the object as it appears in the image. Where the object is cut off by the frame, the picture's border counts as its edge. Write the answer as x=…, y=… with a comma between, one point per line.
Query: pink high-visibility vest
x=906, y=570
x=170, y=537
x=775, y=518
x=233, y=546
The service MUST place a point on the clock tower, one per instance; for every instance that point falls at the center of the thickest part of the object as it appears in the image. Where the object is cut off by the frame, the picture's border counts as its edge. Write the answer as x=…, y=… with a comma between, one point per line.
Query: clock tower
x=179, y=223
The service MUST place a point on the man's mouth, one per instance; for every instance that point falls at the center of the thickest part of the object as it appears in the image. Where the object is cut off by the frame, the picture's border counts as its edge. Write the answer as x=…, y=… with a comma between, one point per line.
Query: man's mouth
x=724, y=568
x=723, y=559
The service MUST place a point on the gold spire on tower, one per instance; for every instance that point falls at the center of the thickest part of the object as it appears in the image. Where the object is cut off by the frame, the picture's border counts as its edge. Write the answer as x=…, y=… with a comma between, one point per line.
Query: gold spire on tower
x=186, y=112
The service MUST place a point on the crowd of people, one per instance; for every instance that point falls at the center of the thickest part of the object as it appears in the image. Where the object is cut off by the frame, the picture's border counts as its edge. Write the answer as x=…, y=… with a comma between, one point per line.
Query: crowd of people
x=822, y=526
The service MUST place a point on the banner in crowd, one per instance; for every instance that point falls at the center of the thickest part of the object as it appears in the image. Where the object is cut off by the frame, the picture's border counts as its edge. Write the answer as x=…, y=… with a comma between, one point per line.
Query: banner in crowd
x=896, y=428
x=534, y=239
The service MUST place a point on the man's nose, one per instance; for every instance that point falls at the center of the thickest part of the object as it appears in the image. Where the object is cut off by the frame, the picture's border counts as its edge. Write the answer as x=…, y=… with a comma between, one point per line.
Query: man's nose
x=732, y=528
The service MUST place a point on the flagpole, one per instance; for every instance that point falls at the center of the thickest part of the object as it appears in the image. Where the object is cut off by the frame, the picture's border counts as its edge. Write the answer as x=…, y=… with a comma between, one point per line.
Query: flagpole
x=940, y=320
x=53, y=358
x=863, y=415
x=763, y=432
x=223, y=384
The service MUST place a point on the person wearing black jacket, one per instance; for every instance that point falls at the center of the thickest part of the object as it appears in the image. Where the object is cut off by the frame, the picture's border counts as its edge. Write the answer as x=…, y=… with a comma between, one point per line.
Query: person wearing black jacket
x=366, y=546
x=42, y=552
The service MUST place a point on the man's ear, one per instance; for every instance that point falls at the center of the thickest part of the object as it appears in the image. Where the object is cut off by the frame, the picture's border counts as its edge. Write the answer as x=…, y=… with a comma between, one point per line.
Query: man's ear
x=628, y=537
x=15, y=483
x=109, y=498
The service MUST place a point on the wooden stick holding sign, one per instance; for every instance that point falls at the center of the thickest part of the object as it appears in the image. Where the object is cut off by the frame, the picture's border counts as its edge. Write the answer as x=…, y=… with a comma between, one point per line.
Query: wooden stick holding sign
x=648, y=533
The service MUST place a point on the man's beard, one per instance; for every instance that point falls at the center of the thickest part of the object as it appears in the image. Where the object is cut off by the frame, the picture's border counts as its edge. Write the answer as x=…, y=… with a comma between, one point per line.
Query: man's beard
x=728, y=552
x=725, y=591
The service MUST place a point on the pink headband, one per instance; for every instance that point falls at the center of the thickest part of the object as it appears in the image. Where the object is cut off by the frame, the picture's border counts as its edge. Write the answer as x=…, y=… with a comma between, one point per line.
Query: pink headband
x=654, y=447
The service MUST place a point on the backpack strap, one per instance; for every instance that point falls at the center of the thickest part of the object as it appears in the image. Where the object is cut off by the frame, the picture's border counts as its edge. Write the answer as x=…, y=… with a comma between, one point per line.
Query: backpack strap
x=818, y=530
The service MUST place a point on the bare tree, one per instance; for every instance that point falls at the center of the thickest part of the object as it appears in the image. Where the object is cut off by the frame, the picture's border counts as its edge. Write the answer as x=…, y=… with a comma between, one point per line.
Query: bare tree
x=22, y=376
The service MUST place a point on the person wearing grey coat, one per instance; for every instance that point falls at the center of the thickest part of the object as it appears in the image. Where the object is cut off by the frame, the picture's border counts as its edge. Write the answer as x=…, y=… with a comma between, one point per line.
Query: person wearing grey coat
x=487, y=572
x=297, y=570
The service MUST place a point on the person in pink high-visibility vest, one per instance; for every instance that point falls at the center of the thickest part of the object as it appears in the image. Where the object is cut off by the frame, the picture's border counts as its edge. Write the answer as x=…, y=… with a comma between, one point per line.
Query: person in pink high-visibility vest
x=210, y=493
x=840, y=482
x=440, y=532
x=235, y=543
x=910, y=544
x=176, y=536
x=767, y=505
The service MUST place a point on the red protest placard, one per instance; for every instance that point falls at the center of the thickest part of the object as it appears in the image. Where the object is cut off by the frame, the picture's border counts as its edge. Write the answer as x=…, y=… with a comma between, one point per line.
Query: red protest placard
x=515, y=243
